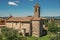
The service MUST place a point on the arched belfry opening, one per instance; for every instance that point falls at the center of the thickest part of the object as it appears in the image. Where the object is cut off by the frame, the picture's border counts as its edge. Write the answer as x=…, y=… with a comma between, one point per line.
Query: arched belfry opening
x=36, y=10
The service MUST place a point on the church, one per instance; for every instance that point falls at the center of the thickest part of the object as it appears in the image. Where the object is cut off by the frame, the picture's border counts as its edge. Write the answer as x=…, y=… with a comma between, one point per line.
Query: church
x=29, y=25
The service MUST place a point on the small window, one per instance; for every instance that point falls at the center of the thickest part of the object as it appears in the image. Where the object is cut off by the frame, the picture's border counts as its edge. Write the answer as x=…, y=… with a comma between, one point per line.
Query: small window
x=36, y=9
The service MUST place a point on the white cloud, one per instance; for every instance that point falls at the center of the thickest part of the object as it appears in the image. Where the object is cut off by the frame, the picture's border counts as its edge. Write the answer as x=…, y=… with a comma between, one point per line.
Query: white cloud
x=12, y=3
x=31, y=0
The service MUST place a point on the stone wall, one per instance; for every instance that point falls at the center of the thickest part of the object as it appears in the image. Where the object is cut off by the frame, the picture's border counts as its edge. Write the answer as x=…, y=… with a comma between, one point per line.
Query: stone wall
x=19, y=26
x=36, y=28
x=13, y=25
x=9, y=24
x=26, y=26
x=16, y=25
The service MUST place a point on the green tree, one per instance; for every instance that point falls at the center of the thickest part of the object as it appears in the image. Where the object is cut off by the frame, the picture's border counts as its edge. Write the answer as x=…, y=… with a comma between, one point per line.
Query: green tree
x=52, y=27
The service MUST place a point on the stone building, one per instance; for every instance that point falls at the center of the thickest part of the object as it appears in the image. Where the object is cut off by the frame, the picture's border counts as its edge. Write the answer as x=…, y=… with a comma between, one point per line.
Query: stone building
x=29, y=25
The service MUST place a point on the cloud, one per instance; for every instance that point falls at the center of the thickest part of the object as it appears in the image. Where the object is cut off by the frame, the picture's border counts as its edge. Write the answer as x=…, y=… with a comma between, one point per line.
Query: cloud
x=12, y=3
x=31, y=0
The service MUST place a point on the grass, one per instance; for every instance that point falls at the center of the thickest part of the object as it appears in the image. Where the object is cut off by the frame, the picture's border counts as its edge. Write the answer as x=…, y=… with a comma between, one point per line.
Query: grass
x=40, y=38
x=44, y=38
x=47, y=37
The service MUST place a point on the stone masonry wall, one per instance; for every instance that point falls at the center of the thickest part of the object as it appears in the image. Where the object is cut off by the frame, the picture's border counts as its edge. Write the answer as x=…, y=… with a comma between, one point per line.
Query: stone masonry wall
x=35, y=28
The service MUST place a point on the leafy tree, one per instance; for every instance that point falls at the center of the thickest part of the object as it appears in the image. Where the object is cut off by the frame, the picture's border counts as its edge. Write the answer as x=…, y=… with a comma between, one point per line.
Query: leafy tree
x=52, y=27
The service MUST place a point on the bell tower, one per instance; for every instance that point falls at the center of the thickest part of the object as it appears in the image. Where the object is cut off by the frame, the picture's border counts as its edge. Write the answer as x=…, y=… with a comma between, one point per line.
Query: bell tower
x=36, y=11
x=36, y=21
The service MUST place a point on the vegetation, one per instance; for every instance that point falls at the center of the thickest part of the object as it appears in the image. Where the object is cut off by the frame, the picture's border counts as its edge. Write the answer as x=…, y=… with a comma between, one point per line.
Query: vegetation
x=52, y=27
x=10, y=34
x=53, y=30
x=56, y=37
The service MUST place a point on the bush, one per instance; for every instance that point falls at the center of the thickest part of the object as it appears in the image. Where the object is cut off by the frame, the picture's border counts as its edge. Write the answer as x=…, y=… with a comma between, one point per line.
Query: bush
x=10, y=34
x=56, y=37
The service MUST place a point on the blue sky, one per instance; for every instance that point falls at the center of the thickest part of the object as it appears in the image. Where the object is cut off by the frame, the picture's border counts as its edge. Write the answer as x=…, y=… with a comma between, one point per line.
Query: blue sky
x=26, y=7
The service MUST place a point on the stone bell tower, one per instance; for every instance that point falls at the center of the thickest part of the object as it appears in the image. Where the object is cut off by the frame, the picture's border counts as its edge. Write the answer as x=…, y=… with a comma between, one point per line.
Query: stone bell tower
x=36, y=21
x=36, y=10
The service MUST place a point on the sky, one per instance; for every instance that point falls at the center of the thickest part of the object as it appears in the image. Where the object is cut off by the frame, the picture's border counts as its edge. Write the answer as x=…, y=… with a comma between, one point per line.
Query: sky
x=26, y=7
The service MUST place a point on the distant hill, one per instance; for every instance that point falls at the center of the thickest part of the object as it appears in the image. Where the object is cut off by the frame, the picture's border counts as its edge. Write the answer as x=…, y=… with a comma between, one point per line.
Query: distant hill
x=4, y=17
x=56, y=17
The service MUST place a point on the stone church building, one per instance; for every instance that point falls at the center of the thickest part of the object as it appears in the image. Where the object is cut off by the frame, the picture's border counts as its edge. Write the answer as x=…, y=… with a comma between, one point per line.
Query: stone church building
x=29, y=25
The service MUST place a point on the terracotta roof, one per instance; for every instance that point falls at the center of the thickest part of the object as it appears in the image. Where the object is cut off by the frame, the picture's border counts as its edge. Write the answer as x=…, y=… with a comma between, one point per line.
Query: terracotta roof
x=14, y=19
x=36, y=19
x=20, y=19
x=26, y=18
x=23, y=19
